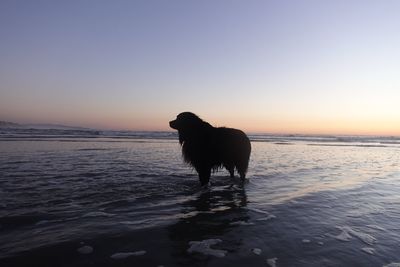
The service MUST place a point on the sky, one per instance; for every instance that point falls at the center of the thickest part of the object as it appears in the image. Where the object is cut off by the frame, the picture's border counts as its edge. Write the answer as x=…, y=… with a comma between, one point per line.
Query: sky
x=301, y=66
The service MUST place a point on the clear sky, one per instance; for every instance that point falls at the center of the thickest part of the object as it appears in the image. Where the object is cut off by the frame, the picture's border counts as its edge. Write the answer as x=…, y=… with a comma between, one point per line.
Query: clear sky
x=262, y=66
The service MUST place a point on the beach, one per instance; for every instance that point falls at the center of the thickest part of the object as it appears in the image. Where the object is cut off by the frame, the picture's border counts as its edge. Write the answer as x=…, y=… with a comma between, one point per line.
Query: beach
x=127, y=199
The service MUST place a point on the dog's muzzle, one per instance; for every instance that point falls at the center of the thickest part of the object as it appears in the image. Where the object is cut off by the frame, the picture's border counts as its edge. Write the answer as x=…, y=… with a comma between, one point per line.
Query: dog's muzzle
x=173, y=125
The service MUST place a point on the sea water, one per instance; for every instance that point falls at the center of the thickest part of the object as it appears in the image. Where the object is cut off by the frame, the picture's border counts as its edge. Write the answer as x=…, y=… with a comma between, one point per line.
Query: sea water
x=127, y=199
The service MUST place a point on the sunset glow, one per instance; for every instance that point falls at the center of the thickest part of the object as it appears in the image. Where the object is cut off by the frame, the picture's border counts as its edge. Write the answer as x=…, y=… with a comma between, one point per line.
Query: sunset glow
x=308, y=67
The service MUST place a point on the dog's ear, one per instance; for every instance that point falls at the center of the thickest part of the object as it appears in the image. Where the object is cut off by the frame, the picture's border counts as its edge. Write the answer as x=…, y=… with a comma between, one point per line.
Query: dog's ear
x=191, y=121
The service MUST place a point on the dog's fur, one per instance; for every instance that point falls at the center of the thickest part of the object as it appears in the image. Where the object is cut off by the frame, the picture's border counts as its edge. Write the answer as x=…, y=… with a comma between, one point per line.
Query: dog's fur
x=209, y=148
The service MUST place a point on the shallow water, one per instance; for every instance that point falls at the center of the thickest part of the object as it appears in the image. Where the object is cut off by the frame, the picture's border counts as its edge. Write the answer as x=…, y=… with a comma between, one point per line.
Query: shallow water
x=132, y=202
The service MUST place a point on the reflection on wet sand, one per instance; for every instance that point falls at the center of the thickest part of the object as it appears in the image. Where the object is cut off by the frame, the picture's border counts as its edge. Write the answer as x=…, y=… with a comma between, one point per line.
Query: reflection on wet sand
x=209, y=216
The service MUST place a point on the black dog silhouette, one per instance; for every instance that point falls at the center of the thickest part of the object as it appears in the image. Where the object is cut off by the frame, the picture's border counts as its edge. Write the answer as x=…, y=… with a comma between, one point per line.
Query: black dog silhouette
x=209, y=148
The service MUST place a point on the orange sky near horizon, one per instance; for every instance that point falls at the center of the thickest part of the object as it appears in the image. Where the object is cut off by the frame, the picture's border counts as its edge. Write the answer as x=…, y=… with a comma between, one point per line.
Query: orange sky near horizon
x=256, y=124
x=307, y=67
x=277, y=125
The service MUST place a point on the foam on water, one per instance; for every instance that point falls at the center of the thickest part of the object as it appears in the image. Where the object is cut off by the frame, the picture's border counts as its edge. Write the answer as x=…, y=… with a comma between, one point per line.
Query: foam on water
x=348, y=232
x=267, y=218
x=272, y=262
x=42, y=222
x=376, y=227
x=368, y=250
x=124, y=255
x=241, y=223
x=343, y=236
x=393, y=264
x=203, y=247
x=256, y=251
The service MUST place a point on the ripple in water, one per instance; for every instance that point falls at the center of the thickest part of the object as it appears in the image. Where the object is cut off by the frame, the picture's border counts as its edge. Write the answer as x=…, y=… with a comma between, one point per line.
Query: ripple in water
x=303, y=205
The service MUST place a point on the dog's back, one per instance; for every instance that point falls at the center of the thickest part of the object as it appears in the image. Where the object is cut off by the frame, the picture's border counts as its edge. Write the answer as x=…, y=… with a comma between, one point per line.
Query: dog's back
x=233, y=149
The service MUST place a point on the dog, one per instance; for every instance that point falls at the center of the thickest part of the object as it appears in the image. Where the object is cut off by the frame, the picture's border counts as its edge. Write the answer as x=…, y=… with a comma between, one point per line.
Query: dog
x=209, y=148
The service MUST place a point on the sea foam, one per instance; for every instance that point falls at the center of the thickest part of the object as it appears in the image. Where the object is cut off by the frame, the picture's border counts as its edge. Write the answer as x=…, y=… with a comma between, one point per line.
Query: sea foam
x=204, y=247
x=123, y=255
x=368, y=250
x=272, y=262
x=348, y=232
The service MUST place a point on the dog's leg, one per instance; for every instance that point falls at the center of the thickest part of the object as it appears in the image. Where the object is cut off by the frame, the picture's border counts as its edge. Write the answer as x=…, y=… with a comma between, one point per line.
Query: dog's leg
x=242, y=176
x=204, y=175
x=231, y=169
x=242, y=169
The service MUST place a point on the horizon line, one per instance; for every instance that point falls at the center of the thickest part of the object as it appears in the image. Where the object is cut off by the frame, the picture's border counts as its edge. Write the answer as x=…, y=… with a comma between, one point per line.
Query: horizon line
x=172, y=131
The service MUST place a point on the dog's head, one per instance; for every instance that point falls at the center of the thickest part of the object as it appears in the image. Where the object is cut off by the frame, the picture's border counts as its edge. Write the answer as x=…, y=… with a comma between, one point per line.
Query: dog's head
x=188, y=125
x=185, y=120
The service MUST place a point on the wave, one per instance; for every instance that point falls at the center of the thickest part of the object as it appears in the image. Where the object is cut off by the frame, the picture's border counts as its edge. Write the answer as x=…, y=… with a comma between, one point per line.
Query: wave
x=49, y=134
x=14, y=134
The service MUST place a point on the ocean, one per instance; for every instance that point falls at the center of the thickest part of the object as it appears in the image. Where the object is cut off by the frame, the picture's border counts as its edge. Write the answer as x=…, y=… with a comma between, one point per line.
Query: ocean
x=121, y=198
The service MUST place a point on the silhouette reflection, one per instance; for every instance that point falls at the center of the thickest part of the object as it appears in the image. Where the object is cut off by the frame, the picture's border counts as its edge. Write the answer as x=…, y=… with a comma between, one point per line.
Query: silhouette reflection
x=211, y=214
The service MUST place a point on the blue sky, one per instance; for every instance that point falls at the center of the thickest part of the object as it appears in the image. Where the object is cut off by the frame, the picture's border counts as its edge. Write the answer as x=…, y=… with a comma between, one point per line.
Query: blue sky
x=264, y=66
